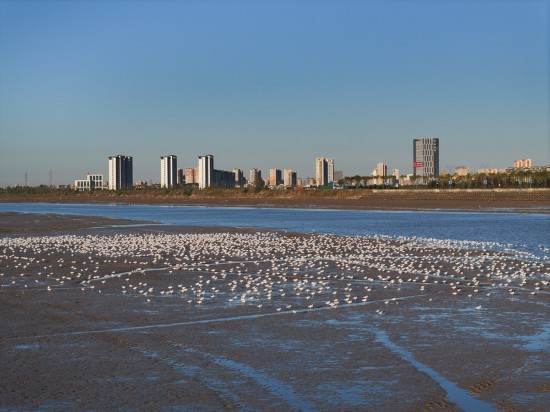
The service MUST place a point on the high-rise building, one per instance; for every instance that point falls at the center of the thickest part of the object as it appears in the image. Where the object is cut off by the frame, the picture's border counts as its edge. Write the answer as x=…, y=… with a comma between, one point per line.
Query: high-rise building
x=255, y=177
x=330, y=171
x=191, y=175
x=290, y=178
x=180, y=177
x=210, y=177
x=381, y=169
x=338, y=175
x=426, y=157
x=320, y=174
x=206, y=171
x=522, y=163
x=324, y=171
x=395, y=173
x=275, y=178
x=121, y=173
x=168, y=171
x=239, y=177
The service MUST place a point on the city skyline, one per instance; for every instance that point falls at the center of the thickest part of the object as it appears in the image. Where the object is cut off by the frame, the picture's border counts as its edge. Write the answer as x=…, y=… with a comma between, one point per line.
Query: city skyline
x=323, y=170
x=425, y=156
x=270, y=84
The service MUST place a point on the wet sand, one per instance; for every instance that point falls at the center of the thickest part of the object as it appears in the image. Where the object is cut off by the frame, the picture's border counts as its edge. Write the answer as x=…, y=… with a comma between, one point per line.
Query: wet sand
x=100, y=314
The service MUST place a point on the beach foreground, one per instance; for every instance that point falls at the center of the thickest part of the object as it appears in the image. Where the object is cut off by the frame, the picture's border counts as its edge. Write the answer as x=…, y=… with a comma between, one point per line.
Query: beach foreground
x=103, y=314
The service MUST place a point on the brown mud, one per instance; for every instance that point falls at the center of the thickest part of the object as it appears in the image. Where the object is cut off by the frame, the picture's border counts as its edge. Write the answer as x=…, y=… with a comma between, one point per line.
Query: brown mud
x=176, y=332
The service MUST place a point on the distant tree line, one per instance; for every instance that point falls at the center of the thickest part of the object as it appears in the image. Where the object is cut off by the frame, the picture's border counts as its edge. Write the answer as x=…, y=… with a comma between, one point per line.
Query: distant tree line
x=510, y=180
x=35, y=190
x=515, y=179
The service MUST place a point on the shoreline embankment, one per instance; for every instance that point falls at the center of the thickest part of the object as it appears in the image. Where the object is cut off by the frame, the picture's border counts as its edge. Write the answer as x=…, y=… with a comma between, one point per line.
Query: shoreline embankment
x=537, y=200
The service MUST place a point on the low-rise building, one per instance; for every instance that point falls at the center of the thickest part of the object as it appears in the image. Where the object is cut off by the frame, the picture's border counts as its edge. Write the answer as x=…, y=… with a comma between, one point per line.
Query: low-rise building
x=487, y=171
x=462, y=171
x=142, y=184
x=92, y=182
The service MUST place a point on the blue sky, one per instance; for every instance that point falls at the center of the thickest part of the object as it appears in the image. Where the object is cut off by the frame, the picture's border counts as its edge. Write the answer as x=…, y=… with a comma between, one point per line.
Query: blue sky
x=270, y=84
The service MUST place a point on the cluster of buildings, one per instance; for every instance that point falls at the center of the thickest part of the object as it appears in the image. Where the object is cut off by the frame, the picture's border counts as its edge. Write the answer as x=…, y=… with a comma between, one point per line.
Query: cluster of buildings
x=425, y=167
x=519, y=165
x=205, y=175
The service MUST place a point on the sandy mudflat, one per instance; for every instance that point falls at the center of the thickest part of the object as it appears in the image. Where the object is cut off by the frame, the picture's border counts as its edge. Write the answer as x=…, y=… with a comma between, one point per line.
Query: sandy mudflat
x=101, y=316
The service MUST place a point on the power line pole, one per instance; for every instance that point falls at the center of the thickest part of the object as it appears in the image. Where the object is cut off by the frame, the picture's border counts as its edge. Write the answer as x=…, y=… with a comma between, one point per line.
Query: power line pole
x=51, y=179
x=26, y=179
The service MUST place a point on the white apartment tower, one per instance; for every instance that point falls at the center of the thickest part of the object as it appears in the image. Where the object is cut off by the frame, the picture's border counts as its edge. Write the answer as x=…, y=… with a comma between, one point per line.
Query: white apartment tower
x=206, y=171
x=168, y=171
x=324, y=171
x=120, y=172
x=330, y=170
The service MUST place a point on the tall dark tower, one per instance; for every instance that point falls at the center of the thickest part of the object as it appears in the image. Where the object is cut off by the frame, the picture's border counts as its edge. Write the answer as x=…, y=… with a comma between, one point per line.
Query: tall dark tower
x=426, y=157
x=121, y=174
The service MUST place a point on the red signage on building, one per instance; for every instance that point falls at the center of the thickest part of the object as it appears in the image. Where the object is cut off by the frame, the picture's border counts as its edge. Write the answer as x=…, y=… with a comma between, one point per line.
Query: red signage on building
x=418, y=164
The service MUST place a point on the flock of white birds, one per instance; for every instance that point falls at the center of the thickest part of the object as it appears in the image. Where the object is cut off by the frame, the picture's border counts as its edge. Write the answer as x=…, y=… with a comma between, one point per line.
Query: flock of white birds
x=272, y=271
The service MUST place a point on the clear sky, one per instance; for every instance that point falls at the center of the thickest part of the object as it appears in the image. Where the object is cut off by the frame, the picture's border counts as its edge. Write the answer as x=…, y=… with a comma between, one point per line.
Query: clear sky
x=270, y=84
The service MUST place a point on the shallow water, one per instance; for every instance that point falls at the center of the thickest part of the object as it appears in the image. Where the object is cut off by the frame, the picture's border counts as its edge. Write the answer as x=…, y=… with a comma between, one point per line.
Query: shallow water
x=521, y=232
x=273, y=385
x=460, y=396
